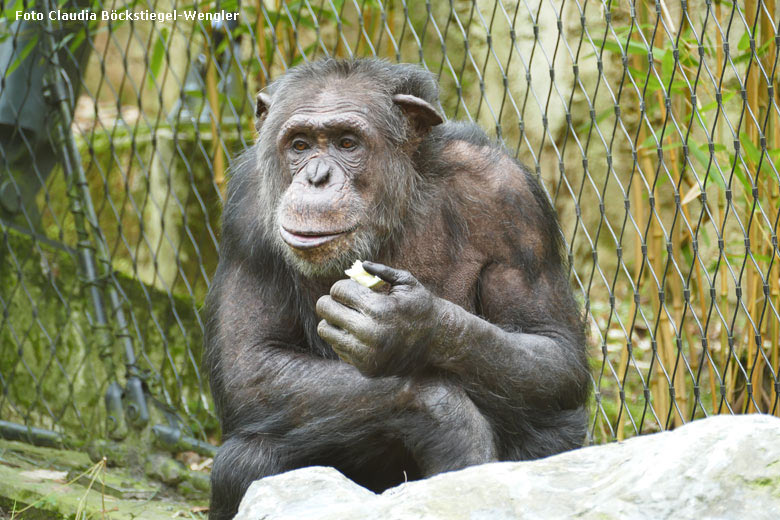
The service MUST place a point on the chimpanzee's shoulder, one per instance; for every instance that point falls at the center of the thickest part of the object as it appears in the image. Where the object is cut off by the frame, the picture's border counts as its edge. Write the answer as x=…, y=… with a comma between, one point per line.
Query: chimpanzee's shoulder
x=509, y=213
x=478, y=163
x=465, y=131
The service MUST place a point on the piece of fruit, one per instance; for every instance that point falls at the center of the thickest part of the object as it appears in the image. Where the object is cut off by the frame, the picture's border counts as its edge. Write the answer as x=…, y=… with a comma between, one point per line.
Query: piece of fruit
x=357, y=273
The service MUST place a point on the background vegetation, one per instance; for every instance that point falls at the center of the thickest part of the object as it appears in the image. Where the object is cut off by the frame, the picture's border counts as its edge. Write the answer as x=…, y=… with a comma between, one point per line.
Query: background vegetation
x=653, y=126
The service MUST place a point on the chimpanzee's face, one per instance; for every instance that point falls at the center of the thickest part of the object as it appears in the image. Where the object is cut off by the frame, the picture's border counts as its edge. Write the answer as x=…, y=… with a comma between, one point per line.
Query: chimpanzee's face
x=326, y=144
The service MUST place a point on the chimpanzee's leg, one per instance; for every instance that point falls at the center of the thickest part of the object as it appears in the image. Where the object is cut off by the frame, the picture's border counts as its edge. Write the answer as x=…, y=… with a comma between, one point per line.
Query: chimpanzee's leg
x=239, y=462
x=376, y=460
x=448, y=431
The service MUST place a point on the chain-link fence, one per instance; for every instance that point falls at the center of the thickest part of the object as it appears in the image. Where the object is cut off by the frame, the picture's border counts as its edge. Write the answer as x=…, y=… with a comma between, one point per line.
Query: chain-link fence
x=653, y=125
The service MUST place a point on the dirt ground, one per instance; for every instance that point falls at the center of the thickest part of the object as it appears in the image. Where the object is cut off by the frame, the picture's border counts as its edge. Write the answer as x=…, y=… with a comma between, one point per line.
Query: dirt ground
x=39, y=483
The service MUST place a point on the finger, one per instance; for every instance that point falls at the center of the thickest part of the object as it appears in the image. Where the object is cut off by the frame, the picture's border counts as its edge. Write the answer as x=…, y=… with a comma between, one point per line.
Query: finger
x=348, y=348
x=343, y=317
x=353, y=295
x=390, y=275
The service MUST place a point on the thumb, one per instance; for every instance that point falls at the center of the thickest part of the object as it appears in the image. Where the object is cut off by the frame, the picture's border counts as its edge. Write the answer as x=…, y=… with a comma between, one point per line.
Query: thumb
x=390, y=275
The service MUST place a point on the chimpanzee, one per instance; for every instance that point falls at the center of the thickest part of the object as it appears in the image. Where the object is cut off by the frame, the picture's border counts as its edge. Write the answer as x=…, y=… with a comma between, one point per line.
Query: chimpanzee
x=473, y=352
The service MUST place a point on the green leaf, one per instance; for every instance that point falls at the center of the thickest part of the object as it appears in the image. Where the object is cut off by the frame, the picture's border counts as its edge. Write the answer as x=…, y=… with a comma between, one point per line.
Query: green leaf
x=9, y=11
x=79, y=38
x=667, y=66
x=742, y=256
x=22, y=56
x=702, y=154
x=633, y=47
x=751, y=150
x=158, y=53
x=680, y=86
x=227, y=5
x=744, y=41
x=649, y=142
x=742, y=178
x=641, y=76
x=222, y=47
x=599, y=118
x=755, y=155
x=714, y=104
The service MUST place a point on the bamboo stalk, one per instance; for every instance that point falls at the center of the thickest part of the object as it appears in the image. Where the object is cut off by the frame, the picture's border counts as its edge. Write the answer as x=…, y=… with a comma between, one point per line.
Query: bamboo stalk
x=670, y=354
x=753, y=351
x=365, y=30
x=774, y=274
x=338, y=50
x=389, y=50
x=260, y=35
x=639, y=215
x=279, y=41
x=292, y=49
x=661, y=383
x=218, y=158
x=637, y=204
x=675, y=286
x=658, y=384
x=770, y=196
x=682, y=376
x=773, y=193
x=664, y=338
x=775, y=345
x=727, y=376
x=696, y=277
x=700, y=280
x=661, y=390
x=657, y=392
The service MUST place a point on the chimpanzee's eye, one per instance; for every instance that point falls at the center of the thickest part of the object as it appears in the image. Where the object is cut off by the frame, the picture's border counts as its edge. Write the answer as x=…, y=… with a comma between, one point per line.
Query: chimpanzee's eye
x=347, y=143
x=299, y=145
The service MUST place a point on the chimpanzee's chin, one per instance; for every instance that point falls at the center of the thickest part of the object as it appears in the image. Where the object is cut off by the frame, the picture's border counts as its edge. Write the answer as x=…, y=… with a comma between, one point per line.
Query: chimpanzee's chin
x=329, y=260
x=315, y=264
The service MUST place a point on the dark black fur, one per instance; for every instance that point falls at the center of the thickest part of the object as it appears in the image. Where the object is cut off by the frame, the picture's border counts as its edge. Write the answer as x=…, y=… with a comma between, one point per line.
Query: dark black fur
x=284, y=398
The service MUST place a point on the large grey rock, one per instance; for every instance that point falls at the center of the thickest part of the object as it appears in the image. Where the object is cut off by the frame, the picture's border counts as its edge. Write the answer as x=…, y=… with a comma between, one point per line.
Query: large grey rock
x=718, y=468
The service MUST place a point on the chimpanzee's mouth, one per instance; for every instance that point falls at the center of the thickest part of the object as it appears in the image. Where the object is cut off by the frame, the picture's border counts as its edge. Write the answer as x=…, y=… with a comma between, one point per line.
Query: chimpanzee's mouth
x=310, y=239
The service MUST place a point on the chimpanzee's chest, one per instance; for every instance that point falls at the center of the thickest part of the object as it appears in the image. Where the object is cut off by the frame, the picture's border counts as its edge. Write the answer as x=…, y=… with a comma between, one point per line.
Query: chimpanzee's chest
x=448, y=268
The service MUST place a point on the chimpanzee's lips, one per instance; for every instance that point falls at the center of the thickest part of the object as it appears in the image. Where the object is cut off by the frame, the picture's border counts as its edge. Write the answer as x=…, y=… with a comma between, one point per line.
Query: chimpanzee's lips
x=310, y=239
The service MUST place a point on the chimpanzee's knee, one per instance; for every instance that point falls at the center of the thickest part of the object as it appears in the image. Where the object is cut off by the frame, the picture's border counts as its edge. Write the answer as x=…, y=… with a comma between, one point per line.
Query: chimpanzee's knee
x=448, y=431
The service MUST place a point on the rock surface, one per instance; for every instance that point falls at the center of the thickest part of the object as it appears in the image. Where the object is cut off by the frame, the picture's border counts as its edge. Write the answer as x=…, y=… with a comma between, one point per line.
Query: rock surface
x=724, y=467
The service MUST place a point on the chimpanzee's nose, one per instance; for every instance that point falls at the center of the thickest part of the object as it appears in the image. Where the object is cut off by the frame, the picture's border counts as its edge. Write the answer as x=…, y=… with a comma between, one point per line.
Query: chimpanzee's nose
x=317, y=172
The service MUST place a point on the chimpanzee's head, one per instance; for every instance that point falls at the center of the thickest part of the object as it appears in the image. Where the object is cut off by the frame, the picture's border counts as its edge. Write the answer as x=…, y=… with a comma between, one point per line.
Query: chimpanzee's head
x=336, y=146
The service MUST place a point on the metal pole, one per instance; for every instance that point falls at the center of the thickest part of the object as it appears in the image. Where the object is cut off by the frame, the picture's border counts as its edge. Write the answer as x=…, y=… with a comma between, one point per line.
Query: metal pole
x=84, y=214
x=36, y=436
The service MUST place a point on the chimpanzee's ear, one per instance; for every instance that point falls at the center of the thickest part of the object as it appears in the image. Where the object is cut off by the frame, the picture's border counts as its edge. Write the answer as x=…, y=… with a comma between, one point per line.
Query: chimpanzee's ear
x=261, y=109
x=420, y=113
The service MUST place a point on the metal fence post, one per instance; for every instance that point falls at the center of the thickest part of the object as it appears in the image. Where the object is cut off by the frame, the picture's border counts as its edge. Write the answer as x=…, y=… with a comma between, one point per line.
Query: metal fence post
x=93, y=250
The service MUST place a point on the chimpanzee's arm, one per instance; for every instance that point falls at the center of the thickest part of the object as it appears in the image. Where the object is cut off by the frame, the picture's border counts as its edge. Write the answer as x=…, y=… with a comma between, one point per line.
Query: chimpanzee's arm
x=283, y=405
x=529, y=347
x=264, y=377
x=527, y=353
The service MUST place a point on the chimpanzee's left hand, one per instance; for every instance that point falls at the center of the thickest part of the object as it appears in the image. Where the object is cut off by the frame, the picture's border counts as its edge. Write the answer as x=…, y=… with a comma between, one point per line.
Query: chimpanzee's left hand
x=380, y=333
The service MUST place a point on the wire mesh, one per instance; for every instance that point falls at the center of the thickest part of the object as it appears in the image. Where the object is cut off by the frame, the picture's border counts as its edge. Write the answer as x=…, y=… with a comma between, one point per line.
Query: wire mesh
x=653, y=126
